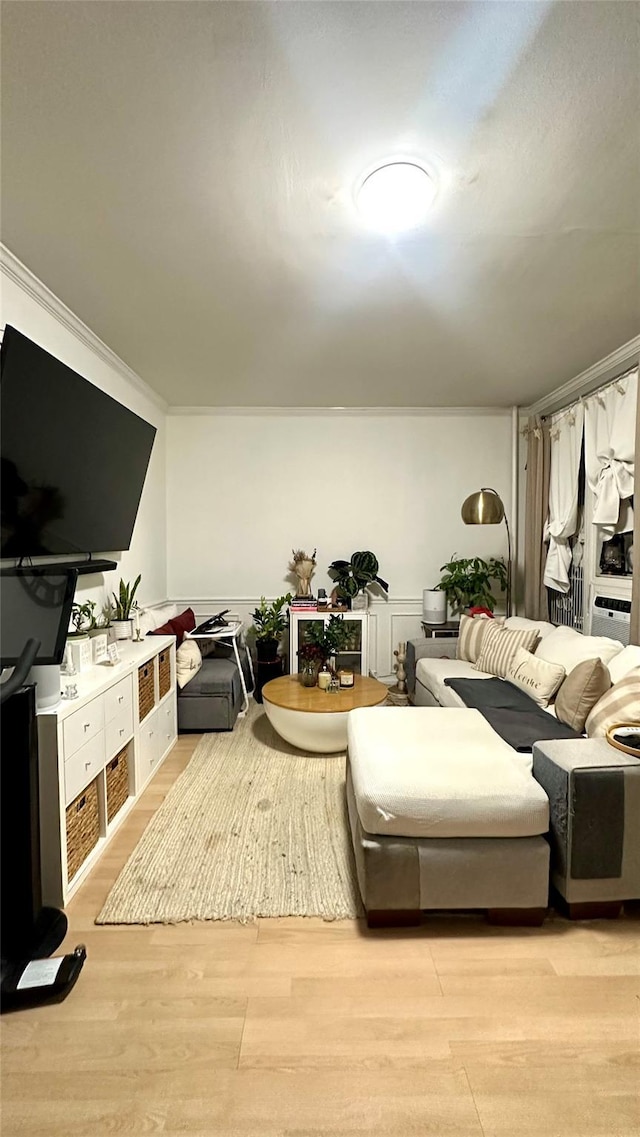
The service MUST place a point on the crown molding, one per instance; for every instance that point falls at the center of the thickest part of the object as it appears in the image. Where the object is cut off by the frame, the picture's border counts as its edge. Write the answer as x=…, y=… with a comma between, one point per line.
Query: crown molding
x=34, y=287
x=612, y=365
x=338, y=412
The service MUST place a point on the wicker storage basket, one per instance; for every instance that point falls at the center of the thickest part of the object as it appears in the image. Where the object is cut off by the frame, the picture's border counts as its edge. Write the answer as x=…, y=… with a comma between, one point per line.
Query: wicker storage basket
x=164, y=672
x=146, y=690
x=117, y=782
x=83, y=828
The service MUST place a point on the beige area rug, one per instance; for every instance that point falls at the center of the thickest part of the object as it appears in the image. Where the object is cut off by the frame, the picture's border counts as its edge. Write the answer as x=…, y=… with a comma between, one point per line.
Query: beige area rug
x=252, y=827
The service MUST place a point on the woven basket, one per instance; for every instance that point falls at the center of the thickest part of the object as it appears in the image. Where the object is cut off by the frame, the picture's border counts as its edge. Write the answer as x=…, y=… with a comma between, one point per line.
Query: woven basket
x=83, y=828
x=146, y=690
x=117, y=783
x=164, y=672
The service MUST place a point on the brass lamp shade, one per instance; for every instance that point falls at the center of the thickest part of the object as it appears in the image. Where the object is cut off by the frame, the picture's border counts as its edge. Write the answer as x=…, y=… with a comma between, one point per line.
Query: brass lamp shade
x=483, y=508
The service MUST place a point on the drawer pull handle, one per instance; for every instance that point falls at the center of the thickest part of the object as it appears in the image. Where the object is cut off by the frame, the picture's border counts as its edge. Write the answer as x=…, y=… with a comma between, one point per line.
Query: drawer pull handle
x=87, y=765
x=86, y=725
x=121, y=698
x=121, y=730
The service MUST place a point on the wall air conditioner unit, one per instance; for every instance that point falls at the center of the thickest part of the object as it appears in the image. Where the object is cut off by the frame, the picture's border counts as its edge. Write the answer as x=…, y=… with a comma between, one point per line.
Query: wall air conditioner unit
x=611, y=616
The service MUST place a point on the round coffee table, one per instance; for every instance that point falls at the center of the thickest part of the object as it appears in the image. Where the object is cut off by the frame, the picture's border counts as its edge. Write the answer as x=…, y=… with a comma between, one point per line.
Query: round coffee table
x=315, y=720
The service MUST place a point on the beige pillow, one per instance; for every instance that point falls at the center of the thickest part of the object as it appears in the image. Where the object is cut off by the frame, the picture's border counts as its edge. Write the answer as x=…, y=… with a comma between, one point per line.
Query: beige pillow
x=538, y=678
x=499, y=645
x=470, y=637
x=621, y=703
x=581, y=690
x=627, y=660
x=188, y=662
x=569, y=648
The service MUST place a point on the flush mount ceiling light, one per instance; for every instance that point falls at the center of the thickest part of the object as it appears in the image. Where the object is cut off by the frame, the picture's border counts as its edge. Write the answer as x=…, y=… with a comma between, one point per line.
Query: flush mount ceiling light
x=396, y=197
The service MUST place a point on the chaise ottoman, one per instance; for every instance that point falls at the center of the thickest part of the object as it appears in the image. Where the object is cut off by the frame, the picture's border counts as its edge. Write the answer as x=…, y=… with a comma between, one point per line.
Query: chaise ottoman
x=444, y=815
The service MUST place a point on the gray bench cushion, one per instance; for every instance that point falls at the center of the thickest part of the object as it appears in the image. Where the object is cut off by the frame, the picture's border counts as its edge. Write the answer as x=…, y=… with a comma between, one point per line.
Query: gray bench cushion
x=215, y=677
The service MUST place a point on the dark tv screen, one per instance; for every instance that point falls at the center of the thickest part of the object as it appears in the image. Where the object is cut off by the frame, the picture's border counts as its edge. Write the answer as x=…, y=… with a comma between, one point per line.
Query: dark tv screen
x=73, y=459
x=35, y=603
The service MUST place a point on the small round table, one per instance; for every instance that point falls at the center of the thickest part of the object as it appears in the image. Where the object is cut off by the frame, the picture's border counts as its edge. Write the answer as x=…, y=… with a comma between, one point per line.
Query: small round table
x=315, y=720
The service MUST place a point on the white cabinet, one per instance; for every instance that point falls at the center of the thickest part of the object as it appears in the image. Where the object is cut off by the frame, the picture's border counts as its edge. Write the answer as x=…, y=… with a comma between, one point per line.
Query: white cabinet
x=96, y=754
x=356, y=654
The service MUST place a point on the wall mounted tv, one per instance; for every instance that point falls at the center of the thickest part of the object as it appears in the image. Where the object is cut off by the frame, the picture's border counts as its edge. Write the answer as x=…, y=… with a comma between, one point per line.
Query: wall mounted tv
x=73, y=459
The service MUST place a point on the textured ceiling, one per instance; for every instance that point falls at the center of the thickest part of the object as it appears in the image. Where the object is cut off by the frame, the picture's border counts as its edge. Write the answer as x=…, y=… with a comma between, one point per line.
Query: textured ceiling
x=181, y=176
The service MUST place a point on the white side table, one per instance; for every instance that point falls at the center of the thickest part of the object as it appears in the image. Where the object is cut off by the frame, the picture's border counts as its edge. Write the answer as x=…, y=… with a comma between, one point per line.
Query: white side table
x=231, y=633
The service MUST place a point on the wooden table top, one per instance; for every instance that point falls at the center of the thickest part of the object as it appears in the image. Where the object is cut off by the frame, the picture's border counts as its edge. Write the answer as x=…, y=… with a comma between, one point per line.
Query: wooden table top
x=287, y=691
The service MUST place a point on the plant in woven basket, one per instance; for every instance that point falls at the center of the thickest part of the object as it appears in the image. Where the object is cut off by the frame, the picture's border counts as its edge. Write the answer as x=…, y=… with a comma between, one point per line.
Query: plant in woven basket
x=124, y=602
x=356, y=575
x=467, y=582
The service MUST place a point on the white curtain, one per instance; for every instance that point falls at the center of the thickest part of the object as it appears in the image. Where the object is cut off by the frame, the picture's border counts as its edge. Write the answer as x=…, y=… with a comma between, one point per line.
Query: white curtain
x=562, y=520
x=610, y=418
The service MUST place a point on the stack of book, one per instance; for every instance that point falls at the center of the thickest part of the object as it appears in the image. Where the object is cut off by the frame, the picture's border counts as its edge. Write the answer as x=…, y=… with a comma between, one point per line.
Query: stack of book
x=304, y=604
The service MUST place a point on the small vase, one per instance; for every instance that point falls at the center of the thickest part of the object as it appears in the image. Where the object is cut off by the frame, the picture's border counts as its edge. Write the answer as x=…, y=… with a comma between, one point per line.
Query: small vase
x=308, y=673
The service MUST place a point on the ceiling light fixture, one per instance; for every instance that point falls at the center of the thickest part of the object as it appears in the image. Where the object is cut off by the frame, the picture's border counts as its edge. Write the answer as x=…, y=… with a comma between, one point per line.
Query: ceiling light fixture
x=396, y=197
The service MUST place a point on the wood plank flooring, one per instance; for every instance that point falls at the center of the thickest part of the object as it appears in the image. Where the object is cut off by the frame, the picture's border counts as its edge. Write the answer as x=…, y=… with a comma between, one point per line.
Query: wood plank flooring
x=296, y=1028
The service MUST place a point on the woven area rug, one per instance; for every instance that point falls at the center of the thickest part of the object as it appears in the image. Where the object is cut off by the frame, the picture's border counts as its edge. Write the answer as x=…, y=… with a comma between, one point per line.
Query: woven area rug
x=252, y=827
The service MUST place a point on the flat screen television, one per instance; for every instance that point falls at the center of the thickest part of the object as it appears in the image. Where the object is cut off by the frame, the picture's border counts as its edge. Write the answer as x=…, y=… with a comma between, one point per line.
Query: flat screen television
x=35, y=603
x=73, y=459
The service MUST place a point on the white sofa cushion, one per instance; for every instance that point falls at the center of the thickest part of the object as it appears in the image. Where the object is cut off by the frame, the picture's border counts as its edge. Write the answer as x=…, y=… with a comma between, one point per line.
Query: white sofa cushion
x=431, y=673
x=624, y=662
x=569, y=648
x=429, y=772
x=520, y=623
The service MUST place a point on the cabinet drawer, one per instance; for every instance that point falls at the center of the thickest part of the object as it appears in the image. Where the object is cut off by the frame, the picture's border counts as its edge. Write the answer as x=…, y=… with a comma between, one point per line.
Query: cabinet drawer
x=81, y=726
x=149, y=746
x=82, y=767
x=118, y=731
x=118, y=698
x=167, y=724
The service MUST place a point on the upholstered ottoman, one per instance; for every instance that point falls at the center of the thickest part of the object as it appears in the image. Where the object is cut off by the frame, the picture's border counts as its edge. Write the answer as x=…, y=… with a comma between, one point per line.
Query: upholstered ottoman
x=444, y=815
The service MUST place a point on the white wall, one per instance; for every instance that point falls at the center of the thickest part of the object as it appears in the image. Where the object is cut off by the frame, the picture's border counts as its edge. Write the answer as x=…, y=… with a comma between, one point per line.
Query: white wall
x=29, y=306
x=244, y=490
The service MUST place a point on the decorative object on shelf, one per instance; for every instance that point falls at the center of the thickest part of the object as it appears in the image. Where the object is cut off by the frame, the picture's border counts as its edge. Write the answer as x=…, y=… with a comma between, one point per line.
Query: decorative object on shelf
x=333, y=685
x=82, y=620
x=324, y=677
x=81, y=653
x=613, y=556
x=467, y=581
x=302, y=565
x=99, y=647
x=124, y=604
x=323, y=599
x=434, y=606
x=398, y=693
x=354, y=577
x=485, y=507
x=70, y=691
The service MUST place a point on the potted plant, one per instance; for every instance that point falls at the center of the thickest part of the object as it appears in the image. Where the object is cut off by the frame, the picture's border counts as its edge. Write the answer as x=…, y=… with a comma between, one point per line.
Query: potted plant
x=354, y=577
x=82, y=620
x=329, y=638
x=269, y=623
x=467, y=582
x=123, y=605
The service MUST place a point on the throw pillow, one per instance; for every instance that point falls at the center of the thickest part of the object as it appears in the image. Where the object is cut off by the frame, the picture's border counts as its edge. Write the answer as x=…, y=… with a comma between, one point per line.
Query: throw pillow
x=499, y=645
x=470, y=636
x=188, y=662
x=568, y=647
x=543, y=627
x=621, y=703
x=538, y=678
x=185, y=622
x=581, y=690
x=163, y=630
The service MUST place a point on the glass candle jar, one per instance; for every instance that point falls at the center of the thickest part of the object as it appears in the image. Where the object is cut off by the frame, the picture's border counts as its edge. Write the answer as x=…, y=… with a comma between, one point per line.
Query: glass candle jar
x=346, y=678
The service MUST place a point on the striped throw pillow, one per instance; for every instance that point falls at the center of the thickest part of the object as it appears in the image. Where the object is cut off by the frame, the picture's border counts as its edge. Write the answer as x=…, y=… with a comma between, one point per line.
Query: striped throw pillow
x=621, y=703
x=499, y=645
x=470, y=637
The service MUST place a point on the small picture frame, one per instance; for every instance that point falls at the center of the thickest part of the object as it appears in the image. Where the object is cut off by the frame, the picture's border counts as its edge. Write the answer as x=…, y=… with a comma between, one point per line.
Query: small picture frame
x=113, y=653
x=100, y=652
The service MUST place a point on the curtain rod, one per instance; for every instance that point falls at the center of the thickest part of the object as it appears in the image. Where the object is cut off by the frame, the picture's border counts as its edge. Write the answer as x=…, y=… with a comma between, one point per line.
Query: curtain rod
x=596, y=391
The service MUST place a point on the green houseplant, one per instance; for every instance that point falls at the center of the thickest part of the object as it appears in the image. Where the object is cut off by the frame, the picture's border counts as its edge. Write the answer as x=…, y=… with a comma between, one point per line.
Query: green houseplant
x=468, y=581
x=82, y=619
x=353, y=577
x=123, y=605
x=269, y=624
x=329, y=638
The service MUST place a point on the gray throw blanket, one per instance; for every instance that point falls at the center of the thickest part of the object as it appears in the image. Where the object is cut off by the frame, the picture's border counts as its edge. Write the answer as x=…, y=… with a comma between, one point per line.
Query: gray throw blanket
x=510, y=711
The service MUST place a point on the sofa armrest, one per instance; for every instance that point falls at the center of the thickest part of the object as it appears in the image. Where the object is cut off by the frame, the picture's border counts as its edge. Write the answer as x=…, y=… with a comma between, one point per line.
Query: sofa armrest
x=444, y=648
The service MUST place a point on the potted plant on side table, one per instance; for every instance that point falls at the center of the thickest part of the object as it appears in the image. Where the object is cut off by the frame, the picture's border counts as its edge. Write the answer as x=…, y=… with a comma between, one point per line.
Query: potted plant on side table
x=468, y=582
x=123, y=605
x=269, y=625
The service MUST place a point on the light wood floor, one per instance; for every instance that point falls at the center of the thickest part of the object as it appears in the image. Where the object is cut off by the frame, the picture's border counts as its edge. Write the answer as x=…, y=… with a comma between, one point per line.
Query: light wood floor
x=296, y=1028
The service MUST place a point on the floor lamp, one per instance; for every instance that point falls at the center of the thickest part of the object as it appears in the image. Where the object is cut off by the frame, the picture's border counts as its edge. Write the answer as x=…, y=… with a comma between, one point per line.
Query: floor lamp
x=486, y=508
